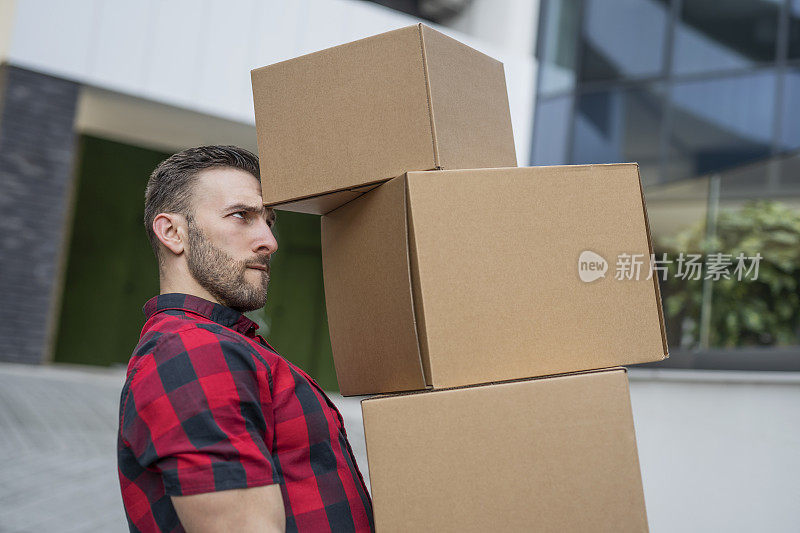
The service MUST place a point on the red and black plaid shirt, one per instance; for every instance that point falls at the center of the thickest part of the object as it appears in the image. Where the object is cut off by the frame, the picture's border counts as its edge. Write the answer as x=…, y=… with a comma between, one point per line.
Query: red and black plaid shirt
x=208, y=405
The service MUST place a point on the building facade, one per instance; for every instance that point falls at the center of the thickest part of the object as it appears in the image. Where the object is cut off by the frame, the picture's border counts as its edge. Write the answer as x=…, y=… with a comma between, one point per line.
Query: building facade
x=95, y=93
x=706, y=97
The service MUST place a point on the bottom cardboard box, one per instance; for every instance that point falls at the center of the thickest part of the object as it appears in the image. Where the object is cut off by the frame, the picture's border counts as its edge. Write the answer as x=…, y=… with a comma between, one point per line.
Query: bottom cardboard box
x=546, y=454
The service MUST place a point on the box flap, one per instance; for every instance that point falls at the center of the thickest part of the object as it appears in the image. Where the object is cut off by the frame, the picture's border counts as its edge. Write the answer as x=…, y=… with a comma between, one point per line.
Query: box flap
x=436, y=156
x=469, y=105
x=416, y=292
x=368, y=293
x=492, y=383
x=657, y=285
x=321, y=204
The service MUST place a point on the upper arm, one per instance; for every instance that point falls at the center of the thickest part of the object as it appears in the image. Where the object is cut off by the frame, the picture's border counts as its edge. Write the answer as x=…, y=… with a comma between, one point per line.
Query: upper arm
x=198, y=414
x=258, y=509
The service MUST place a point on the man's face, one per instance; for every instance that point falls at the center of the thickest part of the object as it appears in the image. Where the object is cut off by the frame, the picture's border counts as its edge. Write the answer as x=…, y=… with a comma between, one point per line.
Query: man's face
x=230, y=239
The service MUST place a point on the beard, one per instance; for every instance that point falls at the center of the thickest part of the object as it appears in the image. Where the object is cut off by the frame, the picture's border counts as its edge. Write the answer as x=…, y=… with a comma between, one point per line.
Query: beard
x=224, y=277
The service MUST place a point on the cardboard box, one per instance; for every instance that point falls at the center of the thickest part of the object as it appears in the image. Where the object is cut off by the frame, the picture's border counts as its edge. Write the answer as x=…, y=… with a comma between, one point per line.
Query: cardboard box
x=450, y=278
x=360, y=113
x=550, y=454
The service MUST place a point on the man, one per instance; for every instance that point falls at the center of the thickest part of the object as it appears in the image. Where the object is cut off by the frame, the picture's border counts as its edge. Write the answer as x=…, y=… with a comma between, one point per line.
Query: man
x=217, y=431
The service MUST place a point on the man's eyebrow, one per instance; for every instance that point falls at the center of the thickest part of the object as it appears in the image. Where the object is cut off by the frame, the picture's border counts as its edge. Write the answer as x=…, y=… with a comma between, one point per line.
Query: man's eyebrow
x=269, y=213
x=244, y=207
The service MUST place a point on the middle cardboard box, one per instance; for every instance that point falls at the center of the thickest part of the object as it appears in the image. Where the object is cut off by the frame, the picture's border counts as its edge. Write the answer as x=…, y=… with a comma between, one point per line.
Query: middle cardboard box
x=460, y=277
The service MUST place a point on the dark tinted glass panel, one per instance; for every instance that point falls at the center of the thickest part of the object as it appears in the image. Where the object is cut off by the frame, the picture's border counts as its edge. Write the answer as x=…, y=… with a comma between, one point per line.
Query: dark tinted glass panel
x=744, y=226
x=794, y=30
x=754, y=298
x=714, y=35
x=623, y=39
x=758, y=179
x=790, y=120
x=550, y=131
x=558, y=30
x=720, y=123
x=790, y=175
x=620, y=125
x=677, y=212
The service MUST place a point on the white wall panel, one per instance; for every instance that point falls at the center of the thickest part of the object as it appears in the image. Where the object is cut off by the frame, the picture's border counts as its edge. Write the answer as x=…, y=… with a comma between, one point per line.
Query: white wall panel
x=330, y=17
x=224, y=71
x=121, y=44
x=197, y=54
x=54, y=37
x=175, y=51
x=277, y=26
x=718, y=450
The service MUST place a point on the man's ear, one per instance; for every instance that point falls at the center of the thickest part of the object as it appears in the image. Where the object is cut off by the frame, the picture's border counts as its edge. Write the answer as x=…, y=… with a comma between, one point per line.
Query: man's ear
x=170, y=228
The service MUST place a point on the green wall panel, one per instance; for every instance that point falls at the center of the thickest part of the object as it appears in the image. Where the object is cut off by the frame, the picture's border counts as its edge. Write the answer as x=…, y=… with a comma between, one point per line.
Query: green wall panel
x=111, y=271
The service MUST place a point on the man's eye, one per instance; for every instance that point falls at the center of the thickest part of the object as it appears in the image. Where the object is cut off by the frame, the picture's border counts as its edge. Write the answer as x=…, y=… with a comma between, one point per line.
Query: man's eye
x=241, y=213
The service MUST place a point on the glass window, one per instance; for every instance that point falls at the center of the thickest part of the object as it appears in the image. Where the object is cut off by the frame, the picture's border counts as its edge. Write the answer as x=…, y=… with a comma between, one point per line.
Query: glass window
x=623, y=39
x=677, y=213
x=558, y=36
x=720, y=123
x=711, y=35
x=794, y=30
x=790, y=175
x=732, y=245
x=620, y=125
x=550, y=132
x=790, y=114
x=751, y=295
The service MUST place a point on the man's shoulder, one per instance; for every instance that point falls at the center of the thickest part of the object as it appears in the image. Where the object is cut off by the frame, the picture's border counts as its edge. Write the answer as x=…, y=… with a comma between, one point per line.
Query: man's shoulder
x=178, y=325
x=167, y=359
x=184, y=337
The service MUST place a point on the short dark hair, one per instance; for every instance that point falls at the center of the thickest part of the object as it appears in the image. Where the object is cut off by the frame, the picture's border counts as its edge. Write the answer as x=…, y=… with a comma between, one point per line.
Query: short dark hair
x=169, y=189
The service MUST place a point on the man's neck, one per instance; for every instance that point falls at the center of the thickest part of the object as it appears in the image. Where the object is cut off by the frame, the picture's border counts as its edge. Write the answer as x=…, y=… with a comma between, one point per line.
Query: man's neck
x=185, y=287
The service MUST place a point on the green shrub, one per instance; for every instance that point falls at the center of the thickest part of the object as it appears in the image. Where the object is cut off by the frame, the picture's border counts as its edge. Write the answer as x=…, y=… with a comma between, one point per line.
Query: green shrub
x=760, y=312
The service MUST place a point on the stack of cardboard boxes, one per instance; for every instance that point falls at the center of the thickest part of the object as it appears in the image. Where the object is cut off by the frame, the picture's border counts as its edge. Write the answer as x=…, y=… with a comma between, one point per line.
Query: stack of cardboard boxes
x=452, y=281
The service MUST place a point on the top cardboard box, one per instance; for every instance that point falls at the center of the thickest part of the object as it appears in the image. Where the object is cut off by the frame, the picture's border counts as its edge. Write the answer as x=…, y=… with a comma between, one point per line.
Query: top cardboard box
x=335, y=123
x=459, y=277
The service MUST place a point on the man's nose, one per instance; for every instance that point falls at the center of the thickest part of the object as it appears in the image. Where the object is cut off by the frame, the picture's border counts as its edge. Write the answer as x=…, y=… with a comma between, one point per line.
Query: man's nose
x=265, y=242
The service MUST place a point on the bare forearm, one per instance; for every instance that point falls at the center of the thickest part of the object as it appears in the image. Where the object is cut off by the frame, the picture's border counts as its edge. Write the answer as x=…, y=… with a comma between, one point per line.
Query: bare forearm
x=254, y=510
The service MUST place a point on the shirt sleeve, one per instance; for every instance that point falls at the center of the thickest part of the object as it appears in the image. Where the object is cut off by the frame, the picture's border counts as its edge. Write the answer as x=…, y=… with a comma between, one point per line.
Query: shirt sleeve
x=198, y=412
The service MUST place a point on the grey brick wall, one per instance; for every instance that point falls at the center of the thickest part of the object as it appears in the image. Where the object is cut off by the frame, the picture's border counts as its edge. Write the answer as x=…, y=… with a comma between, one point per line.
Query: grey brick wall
x=37, y=150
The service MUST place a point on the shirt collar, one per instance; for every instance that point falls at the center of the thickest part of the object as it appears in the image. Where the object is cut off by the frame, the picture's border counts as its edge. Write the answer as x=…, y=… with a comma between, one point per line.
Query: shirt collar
x=213, y=311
